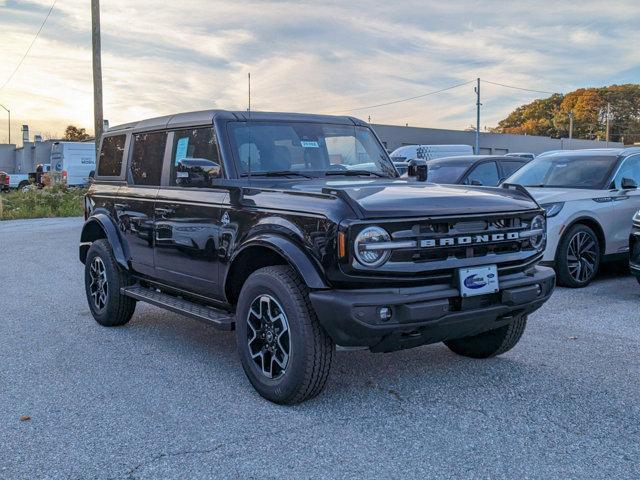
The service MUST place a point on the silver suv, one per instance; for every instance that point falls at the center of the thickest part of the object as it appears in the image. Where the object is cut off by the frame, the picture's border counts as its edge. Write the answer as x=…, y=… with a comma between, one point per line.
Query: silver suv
x=590, y=197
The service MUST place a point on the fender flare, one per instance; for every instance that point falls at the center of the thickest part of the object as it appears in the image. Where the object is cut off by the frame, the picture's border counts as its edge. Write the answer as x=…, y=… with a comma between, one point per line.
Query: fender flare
x=111, y=233
x=291, y=252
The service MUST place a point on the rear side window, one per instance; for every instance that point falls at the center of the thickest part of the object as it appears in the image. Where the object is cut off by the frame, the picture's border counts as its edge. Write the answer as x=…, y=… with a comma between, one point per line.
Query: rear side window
x=194, y=160
x=147, y=157
x=111, y=154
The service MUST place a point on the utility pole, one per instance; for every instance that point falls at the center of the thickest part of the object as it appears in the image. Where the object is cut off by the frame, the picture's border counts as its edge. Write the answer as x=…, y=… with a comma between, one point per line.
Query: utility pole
x=608, y=116
x=570, y=128
x=97, y=72
x=9, y=112
x=478, y=104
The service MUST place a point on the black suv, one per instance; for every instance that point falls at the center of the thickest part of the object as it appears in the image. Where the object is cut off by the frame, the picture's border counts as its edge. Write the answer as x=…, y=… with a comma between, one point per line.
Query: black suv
x=296, y=231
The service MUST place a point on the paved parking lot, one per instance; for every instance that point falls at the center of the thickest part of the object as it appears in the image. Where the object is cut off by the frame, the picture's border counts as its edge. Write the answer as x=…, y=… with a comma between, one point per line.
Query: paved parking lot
x=165, y=396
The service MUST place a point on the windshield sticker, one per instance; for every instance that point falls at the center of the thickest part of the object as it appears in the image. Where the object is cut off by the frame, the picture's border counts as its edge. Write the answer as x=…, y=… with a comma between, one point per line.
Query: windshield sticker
x=181, y=149
x=309, y=144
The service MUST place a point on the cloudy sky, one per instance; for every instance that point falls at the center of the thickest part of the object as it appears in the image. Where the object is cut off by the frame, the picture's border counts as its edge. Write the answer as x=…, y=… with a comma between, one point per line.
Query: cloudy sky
x=311, y=56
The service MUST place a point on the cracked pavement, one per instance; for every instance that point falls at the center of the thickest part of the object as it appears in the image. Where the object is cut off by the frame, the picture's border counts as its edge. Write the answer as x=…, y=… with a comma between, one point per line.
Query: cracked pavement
x=165, y=396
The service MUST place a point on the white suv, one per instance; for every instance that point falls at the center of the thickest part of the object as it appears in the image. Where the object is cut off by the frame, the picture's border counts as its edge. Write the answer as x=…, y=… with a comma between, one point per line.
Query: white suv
x=590, y=197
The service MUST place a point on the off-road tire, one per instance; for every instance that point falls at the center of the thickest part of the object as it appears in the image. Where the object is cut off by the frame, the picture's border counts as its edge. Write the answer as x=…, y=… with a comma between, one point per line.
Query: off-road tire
x=491, y=343
x=564, y=277
x=118, y=309
x=22, y=186
x=311, y=349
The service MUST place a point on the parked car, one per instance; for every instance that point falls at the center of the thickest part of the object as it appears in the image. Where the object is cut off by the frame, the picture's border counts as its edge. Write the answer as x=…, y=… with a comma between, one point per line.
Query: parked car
x=528, y=156
x=18, y=181
x=484, y=170
x=302, y=237
x=429, y=152
x=590, y=198
x=76, y=161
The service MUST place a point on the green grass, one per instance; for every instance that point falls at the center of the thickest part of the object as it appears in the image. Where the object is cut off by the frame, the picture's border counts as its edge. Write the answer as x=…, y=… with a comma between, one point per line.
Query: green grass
x=55, y=201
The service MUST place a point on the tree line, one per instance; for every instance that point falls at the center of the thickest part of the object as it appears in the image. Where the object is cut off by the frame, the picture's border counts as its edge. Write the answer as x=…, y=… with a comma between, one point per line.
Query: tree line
x=550, y=117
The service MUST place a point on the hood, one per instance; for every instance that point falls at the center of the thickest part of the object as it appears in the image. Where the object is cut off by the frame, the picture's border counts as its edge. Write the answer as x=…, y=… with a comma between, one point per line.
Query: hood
x=402, y=198
x=552, y=195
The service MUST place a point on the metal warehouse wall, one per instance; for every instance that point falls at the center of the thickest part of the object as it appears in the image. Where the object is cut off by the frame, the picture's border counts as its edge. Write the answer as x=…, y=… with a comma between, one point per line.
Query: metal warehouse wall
x=490, y=143
x=24, y=159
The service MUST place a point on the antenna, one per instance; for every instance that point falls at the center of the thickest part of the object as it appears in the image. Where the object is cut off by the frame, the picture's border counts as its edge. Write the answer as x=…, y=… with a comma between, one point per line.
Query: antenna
x=249, y=111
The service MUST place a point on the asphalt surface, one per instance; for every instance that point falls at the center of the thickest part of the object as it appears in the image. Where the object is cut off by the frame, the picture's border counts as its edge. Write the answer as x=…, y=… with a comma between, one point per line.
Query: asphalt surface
x=165, y=396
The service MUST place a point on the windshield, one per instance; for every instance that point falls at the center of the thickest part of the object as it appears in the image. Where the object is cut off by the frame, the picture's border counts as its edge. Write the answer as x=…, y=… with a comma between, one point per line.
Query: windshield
x=567, y=172
x=445, y=173
x=308, y=149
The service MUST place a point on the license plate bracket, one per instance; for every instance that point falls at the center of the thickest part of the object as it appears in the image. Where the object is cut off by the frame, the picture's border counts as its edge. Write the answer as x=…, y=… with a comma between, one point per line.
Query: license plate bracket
x=476, y=281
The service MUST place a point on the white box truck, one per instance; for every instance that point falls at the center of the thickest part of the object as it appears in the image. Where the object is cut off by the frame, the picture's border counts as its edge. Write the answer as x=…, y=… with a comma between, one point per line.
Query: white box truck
x=429, y=152
x=76, y=161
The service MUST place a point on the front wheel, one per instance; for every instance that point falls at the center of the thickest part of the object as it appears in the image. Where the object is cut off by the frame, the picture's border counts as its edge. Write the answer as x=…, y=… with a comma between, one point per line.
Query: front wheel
x=491, y=343
x=285, y=352
x=578, y=257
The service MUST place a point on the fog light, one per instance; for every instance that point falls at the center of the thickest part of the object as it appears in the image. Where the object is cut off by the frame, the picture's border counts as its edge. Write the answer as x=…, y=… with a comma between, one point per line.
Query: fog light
x=384, y=313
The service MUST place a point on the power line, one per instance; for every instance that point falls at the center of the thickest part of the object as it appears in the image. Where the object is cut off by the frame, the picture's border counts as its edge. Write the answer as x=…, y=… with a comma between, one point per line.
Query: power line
x=518, y=88
x=30, y=46
x=407, y=99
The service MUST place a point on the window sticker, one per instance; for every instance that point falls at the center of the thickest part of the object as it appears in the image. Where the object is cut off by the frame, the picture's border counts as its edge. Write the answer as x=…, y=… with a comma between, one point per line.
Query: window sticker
x=309, y=144
x=181, y=149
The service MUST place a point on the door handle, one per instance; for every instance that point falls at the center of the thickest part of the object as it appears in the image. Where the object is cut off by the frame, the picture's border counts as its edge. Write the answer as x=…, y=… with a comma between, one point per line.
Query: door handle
x=164, y=211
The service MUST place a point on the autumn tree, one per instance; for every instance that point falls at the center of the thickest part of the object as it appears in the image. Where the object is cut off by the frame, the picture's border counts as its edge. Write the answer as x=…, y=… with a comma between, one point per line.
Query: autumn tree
x=550, y=116
x=75, y=134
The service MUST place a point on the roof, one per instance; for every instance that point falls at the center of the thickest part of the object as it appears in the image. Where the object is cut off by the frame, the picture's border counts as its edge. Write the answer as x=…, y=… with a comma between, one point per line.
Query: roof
x=592, y=152
x=467, y=159
x=206, y=117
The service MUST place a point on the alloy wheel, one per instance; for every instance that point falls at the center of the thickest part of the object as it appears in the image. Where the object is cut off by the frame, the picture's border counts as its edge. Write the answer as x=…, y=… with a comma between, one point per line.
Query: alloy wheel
x=582, y=256
x=99, y=287
x=268, y=336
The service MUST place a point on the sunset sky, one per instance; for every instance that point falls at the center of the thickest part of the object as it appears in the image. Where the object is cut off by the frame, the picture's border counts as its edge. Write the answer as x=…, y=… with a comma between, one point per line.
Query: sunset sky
x=309, y=56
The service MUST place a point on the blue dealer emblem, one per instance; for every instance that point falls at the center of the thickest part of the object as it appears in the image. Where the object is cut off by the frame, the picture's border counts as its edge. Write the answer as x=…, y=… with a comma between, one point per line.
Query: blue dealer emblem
x=474, y=282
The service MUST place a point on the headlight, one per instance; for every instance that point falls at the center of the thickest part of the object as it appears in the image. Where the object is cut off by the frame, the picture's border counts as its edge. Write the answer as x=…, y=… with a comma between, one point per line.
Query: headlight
x=539, y=232
x=636, y=217
x=367, y=249
x=552, y=209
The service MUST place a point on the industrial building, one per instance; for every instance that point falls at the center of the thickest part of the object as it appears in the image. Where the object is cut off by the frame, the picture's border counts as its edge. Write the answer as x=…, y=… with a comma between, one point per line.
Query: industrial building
x=394, y=136
x=25, y=158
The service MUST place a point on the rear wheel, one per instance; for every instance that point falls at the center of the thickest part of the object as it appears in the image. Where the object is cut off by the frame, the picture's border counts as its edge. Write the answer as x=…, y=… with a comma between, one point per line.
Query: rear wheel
x=103, y=280
x=285, y=352
x=491, y=343
x=24, y=186
x=578, y=257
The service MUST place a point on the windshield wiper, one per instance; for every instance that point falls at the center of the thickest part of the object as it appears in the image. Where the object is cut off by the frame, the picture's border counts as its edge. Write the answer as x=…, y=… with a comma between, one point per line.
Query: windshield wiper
x=276, y=173
x=355, y=173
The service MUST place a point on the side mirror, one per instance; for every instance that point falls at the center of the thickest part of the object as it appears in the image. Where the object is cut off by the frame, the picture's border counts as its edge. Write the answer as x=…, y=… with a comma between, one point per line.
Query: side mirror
x=628, y=184
x=196, y=172
x=476, y=183
x=418, y=169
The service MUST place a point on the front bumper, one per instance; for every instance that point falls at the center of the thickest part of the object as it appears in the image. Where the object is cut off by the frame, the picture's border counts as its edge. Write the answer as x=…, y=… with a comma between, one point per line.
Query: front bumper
x=429, y=314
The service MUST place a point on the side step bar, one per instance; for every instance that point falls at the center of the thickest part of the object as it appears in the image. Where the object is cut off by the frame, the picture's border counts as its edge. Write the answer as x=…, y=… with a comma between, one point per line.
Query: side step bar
x=219, y=318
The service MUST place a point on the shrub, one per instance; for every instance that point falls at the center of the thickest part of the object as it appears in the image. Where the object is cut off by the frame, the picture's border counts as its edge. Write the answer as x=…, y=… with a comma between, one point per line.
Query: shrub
x=54, y=201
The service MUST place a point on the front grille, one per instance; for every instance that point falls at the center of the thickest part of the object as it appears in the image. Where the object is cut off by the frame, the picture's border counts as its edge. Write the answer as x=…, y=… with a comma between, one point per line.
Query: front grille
x=444, y=244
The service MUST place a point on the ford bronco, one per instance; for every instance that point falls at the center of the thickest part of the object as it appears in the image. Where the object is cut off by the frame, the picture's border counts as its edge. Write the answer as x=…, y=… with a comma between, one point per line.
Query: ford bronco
x=297, y=232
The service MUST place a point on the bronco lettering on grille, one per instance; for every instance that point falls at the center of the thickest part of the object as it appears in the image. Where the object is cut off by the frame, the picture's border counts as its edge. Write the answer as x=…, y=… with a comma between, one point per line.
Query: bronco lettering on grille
x=468, y=240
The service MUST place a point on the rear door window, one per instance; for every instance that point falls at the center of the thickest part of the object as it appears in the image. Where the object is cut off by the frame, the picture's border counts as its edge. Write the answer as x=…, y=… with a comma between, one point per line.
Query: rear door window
x=510, y=167
x=111, y=155
x=147, y=158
